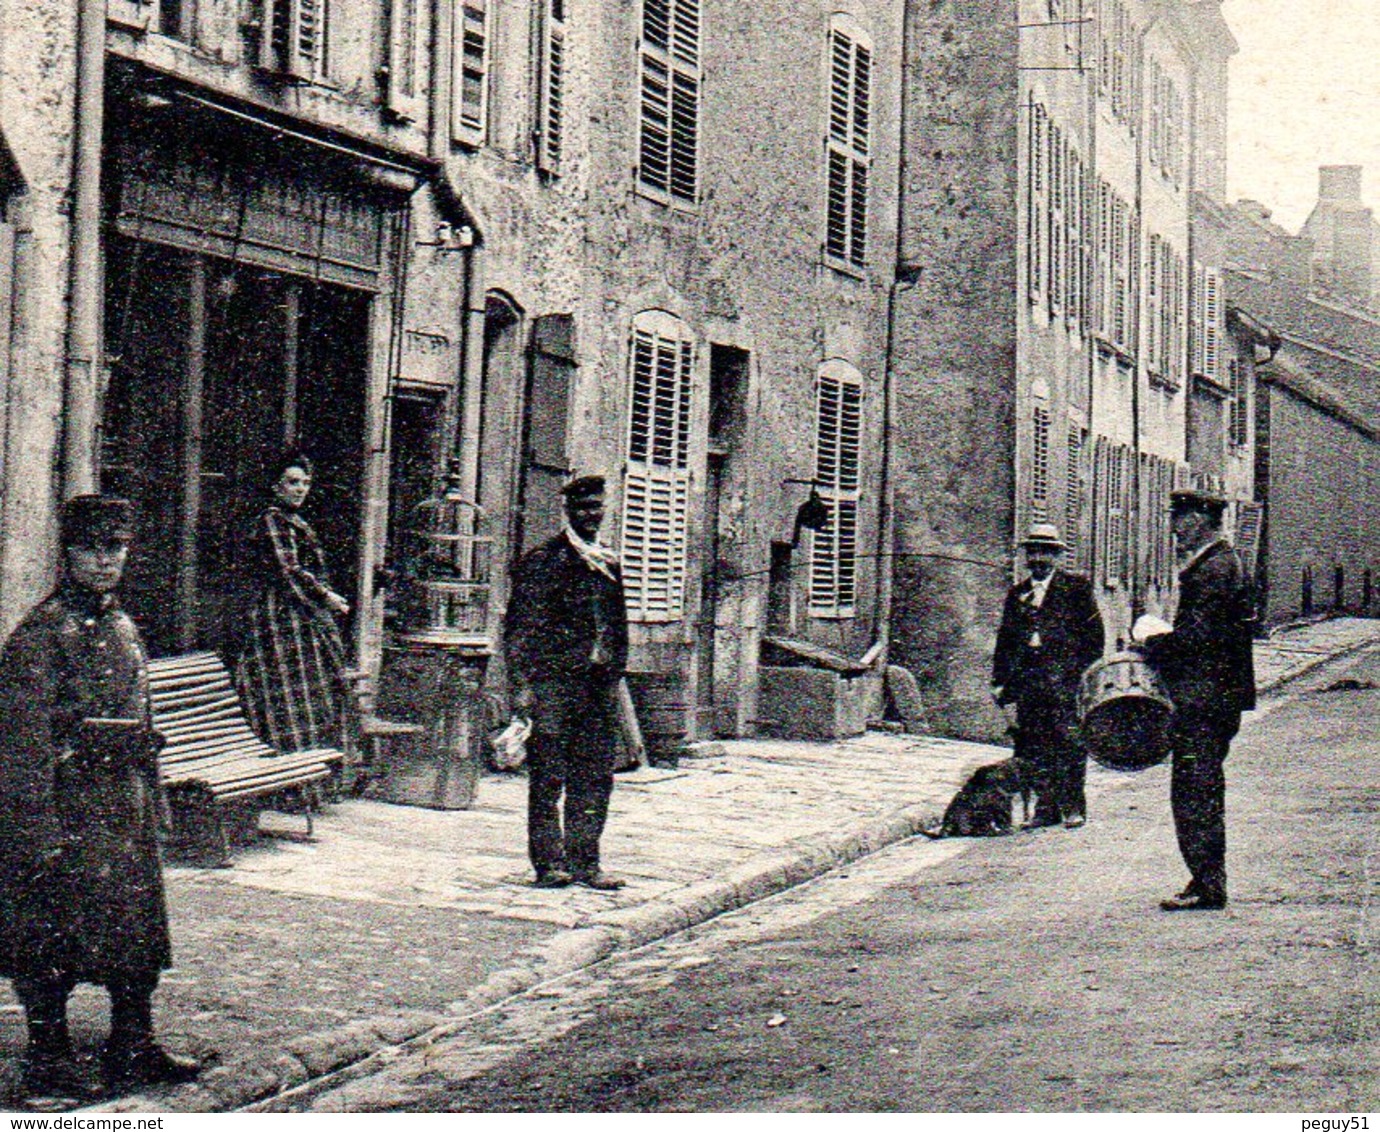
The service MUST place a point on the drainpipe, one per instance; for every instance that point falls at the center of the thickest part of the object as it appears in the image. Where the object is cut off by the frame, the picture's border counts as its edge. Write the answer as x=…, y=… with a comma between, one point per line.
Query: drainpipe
x=886, y=522
x=83, y=368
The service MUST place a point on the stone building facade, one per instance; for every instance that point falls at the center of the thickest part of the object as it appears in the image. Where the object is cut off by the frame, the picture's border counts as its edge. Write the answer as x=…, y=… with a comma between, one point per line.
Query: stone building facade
x=1058, y=314
x=536, y=236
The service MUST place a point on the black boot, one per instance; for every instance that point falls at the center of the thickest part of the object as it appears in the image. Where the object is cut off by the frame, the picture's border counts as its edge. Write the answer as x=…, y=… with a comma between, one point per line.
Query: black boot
x=51, y=1076
x=132, y=1059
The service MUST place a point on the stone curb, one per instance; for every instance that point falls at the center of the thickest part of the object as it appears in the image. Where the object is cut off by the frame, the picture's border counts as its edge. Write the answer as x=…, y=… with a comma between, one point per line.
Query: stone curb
x=340, y=1053
x=343, y=1052
x=1316, y=663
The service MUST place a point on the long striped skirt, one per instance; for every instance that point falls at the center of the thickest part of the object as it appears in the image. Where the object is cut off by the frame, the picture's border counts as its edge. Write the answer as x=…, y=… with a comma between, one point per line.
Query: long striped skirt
x=290, y=676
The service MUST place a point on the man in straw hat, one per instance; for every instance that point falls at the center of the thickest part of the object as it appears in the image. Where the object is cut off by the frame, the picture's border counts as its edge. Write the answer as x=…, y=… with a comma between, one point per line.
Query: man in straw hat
x=566, y=636
x=81, y=884
x=1050, y=632
x=1207, y=664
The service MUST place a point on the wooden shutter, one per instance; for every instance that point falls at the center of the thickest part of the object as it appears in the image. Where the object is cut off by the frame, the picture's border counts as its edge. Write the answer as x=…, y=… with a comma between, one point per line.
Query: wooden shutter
x=1039, y=466
x=838, y=451
x=292, y=38
x=551, y=120
x=669, y=122
x=406, y=43
x=1073, y=497
x=1154, y=297
x=1055, y=220
x=1212, y=324
x=657, y=484
x=469, y=98
x=1036, y=252
x=847, y=148
x=1247, y=537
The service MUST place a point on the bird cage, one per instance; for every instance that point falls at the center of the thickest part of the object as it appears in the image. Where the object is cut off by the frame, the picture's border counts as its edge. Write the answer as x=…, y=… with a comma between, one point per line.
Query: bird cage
x=450, y=569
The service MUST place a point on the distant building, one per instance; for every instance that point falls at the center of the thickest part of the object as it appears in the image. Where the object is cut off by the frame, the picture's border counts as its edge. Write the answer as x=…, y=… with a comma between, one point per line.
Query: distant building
x=1062, y=349
x=1317, y=451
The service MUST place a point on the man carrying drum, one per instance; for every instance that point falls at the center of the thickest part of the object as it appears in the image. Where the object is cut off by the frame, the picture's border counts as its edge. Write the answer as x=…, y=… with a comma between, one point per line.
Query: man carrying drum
x=1207, y=664
x=1050, y=632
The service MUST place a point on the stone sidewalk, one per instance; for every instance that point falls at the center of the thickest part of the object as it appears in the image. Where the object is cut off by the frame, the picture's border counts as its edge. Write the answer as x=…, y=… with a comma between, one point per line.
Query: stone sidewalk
x=393, y=922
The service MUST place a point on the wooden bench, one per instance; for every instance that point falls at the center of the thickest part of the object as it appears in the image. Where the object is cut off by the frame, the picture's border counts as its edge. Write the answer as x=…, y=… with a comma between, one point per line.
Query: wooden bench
x=217, y=773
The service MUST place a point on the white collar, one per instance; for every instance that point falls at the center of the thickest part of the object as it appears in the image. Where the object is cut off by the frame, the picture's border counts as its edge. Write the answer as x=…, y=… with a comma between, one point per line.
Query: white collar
x=595, y=554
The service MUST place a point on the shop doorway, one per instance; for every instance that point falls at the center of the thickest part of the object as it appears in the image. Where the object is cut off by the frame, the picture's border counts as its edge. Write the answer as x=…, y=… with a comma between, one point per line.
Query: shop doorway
x=216, y=369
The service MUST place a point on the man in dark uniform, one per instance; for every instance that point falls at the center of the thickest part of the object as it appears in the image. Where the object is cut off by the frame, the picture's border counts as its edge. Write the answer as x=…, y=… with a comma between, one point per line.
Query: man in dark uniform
x=567, y=647
x=81, y=884
x=1208, y=666
x=1050, y=632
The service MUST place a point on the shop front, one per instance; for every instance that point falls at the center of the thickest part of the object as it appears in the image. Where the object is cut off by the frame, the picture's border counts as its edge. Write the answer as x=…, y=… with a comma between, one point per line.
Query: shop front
x=253, y=306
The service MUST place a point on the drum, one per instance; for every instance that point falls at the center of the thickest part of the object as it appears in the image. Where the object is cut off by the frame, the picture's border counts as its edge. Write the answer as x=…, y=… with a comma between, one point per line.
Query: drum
x=1125, y=713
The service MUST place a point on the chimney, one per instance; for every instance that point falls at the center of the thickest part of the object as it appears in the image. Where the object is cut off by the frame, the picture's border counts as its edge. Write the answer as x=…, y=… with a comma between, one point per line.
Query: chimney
x=1339, y=184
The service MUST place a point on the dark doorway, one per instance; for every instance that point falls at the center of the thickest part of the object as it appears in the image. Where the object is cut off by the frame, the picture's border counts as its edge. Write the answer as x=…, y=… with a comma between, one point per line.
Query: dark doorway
x=718, y=637
x=216, y=369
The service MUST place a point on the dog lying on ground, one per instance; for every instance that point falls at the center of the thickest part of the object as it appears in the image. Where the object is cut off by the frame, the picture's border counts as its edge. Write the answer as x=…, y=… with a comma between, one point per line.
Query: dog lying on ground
x=982, y=808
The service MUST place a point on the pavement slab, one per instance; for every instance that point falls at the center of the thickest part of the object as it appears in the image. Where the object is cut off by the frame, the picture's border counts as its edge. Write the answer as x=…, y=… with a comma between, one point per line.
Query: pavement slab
x=306, y=956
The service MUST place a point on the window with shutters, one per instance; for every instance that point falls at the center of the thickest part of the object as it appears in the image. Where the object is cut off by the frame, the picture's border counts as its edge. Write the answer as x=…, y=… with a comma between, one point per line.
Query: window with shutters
x=1036, y=180
x=669, y=123
x=551, y=110
x=838, y=452
x=406, y=45
x=1039, y=466
x=848, y=144
x=1154, y=295
x=656, y=489
x=469, y=99
x=292, y=38
x=1208, y=329
x=1073, y=497
x=1240, y=422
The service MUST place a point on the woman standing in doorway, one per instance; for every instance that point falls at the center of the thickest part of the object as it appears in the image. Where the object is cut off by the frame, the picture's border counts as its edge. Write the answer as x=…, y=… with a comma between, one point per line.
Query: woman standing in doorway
x=291, y=668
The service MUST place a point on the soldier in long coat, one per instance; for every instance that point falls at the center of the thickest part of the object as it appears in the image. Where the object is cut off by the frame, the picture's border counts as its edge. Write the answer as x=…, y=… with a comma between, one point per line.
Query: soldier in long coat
x=81, y=885
x=1208, y=666
x=1050, y=632
x=566, y=636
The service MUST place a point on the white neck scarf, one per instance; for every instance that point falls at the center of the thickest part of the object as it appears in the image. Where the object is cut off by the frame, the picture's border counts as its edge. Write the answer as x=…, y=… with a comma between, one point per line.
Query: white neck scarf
x=595, y=554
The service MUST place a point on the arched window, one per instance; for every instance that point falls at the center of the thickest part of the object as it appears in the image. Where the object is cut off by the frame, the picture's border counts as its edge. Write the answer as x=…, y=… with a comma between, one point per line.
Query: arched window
x=848, y=142
x=656, y=488
x=838, y=449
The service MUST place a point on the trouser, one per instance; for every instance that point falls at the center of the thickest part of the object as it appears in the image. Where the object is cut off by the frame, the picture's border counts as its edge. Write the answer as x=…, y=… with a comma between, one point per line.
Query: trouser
x=44, y=998
x=571, y=749
x=1047, y=744
x=1197, y=796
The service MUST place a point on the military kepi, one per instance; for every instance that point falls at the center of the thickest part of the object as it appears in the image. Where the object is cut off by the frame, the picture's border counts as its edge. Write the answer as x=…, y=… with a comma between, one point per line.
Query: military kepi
x=582, y=487
x=96, y=520
x=1044, y=535
x=1195, y=499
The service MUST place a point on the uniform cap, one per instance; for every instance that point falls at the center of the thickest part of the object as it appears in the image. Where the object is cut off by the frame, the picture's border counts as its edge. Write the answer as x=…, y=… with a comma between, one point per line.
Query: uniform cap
x=1195, y=499
x=94, y=520
x=582, y=487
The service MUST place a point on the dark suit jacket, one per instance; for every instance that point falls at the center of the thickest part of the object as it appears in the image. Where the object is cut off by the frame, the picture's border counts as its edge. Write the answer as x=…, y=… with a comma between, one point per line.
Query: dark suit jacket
x=1071, y=638
x=559, y=609
x=1207, y=660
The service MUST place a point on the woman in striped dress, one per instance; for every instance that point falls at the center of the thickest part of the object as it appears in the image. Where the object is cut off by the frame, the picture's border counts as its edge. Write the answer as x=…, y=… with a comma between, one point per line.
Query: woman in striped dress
x=291, y=668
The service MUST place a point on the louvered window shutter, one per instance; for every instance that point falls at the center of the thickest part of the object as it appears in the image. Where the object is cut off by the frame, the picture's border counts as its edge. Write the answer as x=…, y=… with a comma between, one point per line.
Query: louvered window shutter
x=292, y=38
x=1073, y=497
x=669, y=123
x=469, y=99
x=406, y=44
x=847, y=149
x=838, y=451
x=1154, y=295
x=1039, y=466
x=552, y=110
x=1212, y=323
x=657, y=485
